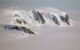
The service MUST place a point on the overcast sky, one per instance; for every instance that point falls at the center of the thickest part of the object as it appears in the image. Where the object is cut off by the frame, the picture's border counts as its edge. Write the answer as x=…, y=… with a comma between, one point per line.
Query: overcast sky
x=62, y=4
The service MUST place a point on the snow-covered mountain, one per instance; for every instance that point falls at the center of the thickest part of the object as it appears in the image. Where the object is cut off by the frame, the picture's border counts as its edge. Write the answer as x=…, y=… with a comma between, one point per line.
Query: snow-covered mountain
x=37, y=17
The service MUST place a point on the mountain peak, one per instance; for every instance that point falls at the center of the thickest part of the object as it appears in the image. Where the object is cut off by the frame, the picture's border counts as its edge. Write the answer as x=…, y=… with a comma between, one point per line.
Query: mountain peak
x=41, y=16
x=26, y=19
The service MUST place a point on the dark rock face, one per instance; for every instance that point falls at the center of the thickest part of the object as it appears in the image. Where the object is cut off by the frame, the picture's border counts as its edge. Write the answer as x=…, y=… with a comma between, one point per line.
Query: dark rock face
x=17, y=15
x=20, y=21
x=53, y=18
x=65, y=19
x=27, y=30
x=56, y=20
x=38, y=17
x=20, y=28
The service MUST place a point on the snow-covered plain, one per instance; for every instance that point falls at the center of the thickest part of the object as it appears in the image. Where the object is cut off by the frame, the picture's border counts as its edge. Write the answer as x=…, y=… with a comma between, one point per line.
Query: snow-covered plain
x=47, y=38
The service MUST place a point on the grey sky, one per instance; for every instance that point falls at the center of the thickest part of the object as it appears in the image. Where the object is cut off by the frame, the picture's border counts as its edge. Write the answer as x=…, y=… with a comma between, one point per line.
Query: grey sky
x=63, y=4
